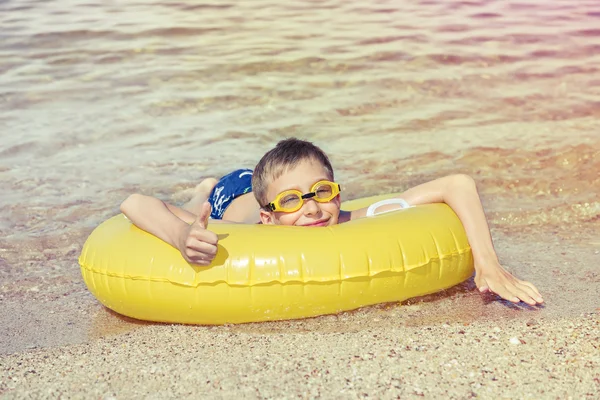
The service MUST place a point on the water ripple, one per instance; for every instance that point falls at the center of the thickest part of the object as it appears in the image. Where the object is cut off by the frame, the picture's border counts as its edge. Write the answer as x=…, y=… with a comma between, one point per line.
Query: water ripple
x=96, y=98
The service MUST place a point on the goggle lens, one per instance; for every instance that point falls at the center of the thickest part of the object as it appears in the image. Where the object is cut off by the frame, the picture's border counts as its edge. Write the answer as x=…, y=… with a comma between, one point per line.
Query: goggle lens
x=323, y=191
x=290, y=201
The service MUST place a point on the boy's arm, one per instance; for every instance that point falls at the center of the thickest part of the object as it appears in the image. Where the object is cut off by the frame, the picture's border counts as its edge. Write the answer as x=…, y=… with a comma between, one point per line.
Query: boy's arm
x=179, y=228
x=460, y=193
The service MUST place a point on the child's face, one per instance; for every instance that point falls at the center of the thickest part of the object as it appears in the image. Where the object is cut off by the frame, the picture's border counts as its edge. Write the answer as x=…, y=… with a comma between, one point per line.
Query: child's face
x=312, y=213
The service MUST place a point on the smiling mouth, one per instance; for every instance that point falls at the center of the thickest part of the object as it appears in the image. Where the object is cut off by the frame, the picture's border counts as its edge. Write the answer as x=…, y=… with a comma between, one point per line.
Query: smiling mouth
x=318, y=223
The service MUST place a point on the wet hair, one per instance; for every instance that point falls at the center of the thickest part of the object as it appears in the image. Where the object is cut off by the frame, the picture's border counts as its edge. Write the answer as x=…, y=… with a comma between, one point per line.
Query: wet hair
x=285, y=156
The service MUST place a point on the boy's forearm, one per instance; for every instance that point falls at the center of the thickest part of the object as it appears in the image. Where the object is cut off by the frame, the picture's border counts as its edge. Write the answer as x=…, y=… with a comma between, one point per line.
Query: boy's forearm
x=461, y=195
x=153, y=216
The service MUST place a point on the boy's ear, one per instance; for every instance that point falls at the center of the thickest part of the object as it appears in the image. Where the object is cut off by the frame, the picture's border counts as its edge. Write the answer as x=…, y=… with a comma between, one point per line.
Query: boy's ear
x=266, y=217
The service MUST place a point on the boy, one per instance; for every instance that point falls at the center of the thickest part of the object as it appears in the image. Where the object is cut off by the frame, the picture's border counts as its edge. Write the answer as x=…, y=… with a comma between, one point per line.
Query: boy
x=293, y=184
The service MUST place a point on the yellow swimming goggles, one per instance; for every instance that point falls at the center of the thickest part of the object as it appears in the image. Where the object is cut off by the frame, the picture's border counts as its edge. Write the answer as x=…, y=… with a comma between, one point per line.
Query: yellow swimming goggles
x=292, y=200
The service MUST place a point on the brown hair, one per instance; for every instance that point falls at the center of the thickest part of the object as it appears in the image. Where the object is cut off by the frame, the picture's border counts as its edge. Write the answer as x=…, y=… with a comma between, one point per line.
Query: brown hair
x=286, y=155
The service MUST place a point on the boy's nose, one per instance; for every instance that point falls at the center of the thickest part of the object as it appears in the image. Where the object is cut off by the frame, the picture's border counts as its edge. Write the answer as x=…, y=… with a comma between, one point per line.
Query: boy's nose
x=310, y=207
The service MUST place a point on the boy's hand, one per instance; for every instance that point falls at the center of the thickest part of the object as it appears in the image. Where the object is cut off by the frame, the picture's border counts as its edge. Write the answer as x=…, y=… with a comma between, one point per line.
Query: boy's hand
x=198, y=245
x=495, y=279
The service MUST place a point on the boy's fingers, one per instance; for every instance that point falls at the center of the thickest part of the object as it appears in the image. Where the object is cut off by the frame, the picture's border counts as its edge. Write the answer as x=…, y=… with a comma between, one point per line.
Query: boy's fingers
x=532, y=292
x=196, y=257
x=204, y=214
x=517, y=293
x=514, y=292
x=202, y=248
x=534, y=289
x=506, y=294
x=201, y=234
x=198, y=261
x=525, y=297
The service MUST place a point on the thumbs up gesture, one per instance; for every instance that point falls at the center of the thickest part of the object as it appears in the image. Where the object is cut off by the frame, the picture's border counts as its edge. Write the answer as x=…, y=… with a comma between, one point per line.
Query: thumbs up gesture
x=199, y=245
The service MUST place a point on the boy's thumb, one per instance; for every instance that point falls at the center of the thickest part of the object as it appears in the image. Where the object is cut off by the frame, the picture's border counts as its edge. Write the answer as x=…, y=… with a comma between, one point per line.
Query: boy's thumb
x=204, y=214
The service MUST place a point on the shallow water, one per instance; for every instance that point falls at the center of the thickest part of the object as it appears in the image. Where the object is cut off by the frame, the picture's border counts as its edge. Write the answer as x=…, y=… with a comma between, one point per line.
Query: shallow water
x=98, y=101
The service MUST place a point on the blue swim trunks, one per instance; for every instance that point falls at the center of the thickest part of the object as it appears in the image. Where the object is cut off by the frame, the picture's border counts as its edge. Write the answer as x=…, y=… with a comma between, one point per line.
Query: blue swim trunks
x=229, y=187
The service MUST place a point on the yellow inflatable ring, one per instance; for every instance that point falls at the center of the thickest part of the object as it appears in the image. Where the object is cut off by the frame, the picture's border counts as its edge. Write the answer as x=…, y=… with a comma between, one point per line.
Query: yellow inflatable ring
x=267, y=272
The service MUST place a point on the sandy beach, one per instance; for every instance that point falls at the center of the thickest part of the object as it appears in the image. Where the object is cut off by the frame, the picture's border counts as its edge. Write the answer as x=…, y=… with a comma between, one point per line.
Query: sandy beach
x=455, y=344
x=99, y=101
x=525, y=359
